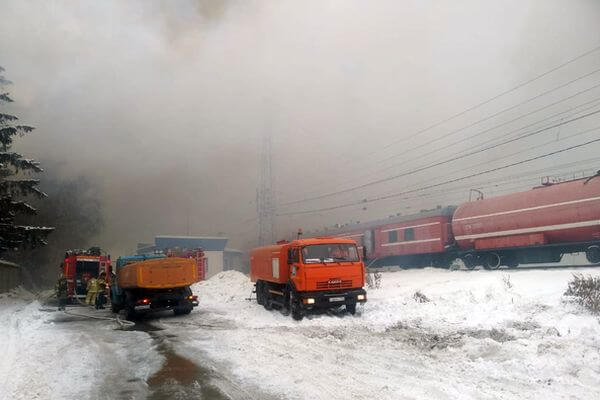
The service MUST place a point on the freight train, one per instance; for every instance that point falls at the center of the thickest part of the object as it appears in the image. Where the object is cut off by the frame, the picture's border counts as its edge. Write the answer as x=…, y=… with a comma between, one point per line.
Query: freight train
x=536, y=226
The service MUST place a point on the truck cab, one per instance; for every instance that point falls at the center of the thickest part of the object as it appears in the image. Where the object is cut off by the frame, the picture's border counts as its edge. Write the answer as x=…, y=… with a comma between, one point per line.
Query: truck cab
x=309, y=274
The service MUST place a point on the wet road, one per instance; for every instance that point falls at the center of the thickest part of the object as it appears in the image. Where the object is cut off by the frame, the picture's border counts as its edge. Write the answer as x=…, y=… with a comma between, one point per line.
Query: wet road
x=179, y=377
x=122, y=350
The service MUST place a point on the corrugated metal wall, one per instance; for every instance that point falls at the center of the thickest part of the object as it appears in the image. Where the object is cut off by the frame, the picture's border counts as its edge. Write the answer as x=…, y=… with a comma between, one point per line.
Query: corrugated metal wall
x=10, y=276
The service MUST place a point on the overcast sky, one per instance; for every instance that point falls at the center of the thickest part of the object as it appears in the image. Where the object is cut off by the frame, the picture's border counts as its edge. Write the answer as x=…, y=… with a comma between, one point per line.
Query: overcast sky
x=165, y=103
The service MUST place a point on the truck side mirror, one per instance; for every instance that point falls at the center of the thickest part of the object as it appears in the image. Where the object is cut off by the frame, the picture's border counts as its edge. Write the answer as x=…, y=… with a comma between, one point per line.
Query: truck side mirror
x=289, y=257
x=364, y=252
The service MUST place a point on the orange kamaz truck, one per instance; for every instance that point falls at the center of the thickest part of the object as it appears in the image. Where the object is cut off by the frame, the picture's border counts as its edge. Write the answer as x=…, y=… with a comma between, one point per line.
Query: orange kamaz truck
x=308, y=274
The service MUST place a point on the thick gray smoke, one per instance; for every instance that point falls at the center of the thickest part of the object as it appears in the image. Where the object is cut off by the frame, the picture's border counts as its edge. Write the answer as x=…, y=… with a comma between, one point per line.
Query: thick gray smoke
x=165, y=103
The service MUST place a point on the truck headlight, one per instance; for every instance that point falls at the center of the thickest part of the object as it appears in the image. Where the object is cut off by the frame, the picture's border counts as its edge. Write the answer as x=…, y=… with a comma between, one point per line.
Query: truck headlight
x=360, y=297
x=309, y=300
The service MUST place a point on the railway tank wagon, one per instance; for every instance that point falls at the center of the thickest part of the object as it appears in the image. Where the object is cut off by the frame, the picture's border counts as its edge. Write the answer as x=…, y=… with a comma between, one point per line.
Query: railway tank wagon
x=536, y=226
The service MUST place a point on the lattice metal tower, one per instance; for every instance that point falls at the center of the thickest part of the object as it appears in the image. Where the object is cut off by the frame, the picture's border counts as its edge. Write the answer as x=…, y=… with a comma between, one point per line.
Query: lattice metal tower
x=265, y=202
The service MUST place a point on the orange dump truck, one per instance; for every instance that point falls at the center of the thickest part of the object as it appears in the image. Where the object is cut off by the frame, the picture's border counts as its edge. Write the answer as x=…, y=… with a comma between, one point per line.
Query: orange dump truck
x=308, y=274
x=154, y=283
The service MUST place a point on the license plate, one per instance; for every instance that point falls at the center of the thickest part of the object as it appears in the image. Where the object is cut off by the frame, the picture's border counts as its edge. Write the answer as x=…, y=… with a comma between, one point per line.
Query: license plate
x=333, y=299
x=144, y=307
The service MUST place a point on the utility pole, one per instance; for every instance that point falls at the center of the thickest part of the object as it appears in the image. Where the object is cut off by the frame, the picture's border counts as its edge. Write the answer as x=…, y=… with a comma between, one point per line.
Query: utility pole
x=264, y=197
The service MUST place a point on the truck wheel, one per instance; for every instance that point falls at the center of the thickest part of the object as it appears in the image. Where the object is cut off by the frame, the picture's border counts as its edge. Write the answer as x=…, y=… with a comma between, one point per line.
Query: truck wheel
x=266, y=297
x=182, y=311
x=185, y=308
x=297, y=313
x=351, y=308
x=259, y=293
x=296, y=310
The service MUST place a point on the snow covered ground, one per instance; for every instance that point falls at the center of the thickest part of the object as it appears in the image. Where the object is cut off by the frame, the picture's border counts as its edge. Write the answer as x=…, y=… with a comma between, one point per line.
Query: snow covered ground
x=483, y=335
x=50, y=355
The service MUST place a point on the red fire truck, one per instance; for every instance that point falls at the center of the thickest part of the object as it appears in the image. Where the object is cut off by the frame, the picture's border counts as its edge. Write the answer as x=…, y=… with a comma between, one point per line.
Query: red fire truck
x=80, y=266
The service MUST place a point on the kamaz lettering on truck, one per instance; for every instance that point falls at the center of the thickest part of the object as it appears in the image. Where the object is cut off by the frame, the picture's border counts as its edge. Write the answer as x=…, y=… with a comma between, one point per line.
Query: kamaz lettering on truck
x=308, y=274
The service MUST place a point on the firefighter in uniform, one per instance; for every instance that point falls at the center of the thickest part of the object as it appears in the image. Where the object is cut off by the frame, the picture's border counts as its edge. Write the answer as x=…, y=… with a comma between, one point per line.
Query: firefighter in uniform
x=101, y=298
x=61, y=291
x=92, y=291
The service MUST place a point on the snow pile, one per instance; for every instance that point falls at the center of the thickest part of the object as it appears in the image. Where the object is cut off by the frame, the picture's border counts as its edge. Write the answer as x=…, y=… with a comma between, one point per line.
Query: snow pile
x=224, y=287
x=482, y=335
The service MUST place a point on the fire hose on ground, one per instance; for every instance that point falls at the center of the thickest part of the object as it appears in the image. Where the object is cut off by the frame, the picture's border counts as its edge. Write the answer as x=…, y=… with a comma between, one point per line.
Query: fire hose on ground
x=122, y=323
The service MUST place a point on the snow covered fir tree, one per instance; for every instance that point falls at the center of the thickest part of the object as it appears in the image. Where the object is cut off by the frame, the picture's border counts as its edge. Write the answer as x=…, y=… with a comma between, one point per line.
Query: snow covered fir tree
x=16, y=183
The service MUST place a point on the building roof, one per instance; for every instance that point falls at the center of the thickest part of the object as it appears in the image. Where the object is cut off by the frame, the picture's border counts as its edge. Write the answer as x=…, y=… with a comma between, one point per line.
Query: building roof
x=162, y=242
x=230, y=250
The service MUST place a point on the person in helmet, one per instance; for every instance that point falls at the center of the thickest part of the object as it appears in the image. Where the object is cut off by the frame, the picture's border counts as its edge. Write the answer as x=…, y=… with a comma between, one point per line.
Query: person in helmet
x=101, y=298
x=61, y=291
x=92, y=291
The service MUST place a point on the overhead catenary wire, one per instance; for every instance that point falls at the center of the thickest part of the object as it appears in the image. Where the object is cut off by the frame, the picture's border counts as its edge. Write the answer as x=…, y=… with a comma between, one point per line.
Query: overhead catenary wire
x=585, y=106
x=380, y=198
x=458, y=157
x=482, y=103
x=516, y=119
x=480, y=133
x=487, y=162
x=454, y=132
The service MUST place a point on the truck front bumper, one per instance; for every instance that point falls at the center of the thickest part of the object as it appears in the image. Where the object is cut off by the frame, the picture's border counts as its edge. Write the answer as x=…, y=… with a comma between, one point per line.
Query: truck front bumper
x=332, y=298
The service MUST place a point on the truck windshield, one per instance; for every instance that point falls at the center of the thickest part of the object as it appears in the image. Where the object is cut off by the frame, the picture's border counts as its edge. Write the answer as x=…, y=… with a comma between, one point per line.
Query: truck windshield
x=324, y=253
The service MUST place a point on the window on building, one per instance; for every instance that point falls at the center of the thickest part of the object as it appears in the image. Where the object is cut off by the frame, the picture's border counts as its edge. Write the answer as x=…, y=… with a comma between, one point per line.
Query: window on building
x=392, y=236
x=409, y=234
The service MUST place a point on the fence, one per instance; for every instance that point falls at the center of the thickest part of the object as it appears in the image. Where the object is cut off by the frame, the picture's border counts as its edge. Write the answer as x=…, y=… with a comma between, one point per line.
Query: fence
x=10, y=276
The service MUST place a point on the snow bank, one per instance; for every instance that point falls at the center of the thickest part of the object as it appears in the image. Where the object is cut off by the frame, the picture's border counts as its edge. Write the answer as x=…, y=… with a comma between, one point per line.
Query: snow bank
x=224, y=287
x=482, y=335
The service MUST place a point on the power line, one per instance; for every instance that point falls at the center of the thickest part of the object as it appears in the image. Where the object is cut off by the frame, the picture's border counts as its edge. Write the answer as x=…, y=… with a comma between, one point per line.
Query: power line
x=420, y=169
x=518, y=118
x=524, y=151
x=489, y=100
x=454, y=132
x=595, y=100
x=380, y=198
x=503, y=93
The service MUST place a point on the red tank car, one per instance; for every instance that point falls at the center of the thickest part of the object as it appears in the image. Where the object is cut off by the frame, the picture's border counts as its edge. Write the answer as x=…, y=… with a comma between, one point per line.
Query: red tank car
x=536, y=226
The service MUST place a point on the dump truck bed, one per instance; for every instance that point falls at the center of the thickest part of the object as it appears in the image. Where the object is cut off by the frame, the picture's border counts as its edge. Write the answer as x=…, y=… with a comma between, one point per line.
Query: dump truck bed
x=162, y=273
